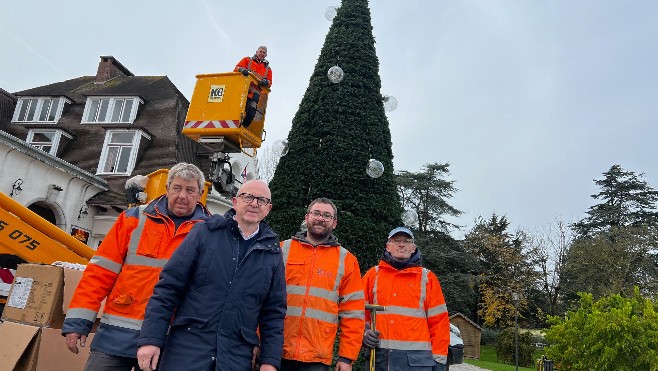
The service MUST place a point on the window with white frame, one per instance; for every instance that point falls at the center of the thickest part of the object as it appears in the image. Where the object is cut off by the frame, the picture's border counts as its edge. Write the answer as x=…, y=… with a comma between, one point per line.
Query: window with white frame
x=39, y=109
x=120, y=151
x=50, y=141
x=111, y=109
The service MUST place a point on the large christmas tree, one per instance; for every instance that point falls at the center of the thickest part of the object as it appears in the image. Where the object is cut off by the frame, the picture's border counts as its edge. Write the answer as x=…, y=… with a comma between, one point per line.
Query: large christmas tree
x=338, y=128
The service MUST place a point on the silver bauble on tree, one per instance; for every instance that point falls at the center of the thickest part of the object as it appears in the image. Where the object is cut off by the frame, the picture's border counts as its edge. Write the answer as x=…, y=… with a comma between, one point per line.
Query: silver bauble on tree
x=335, y=74
x=374, y=169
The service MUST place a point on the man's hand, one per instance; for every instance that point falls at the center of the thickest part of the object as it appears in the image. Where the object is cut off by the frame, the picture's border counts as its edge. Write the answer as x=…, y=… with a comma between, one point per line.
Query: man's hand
x=267, y=368
x=342, y=366
x=256, y=352
x=243, y=71
x=72, y=341
x=264, y=82
x=148, y=356
x=371, y=339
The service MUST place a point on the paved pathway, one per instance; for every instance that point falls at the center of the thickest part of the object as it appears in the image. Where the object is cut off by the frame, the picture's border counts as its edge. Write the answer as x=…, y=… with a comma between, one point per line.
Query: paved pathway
x=466, y=367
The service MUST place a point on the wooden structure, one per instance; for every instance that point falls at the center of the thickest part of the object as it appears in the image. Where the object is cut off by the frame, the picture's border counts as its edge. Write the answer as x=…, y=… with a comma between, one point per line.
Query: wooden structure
x=471, y=334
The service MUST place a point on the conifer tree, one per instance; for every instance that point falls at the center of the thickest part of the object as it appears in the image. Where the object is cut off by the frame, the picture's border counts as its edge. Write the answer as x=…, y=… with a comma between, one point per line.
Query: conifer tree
x=626, y=201
x=337, y=129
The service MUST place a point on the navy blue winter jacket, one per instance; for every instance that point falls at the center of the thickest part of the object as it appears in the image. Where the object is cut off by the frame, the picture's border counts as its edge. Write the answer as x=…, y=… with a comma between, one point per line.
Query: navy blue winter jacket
x=219, y=301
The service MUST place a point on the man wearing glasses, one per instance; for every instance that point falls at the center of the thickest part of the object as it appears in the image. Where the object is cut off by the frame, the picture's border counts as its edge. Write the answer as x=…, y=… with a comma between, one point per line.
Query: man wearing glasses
x=226, y=280
x=325, y=295
x=413, y=332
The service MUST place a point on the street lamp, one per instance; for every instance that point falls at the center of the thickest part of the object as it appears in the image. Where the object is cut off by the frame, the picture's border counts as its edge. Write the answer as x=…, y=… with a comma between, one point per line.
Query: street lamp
x=515, y=296
x=16, y=187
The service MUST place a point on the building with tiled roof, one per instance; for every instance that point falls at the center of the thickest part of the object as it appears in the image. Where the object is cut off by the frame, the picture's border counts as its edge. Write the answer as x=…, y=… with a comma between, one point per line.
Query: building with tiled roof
x=70, y=146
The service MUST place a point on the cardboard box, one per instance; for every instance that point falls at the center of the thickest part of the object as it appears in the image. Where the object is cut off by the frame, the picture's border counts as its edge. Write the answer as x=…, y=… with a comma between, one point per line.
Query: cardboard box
x=31, y=348
x=19, y=346
x=53, y=355
x=36, y=296
x=41, y=295
x=71, y=279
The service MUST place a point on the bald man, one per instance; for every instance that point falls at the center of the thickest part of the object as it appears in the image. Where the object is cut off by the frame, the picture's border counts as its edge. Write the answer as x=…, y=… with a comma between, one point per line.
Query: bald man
x=226, y=280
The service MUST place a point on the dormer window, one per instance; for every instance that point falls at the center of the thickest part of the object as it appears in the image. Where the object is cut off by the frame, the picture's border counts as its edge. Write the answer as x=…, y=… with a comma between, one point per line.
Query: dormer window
x=120, y=151
x=50, y=141
x=116, y=110
x=39, y=109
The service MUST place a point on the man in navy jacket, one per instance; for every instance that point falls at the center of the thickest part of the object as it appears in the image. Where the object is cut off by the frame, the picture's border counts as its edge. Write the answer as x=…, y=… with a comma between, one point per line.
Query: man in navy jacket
x=225, y=280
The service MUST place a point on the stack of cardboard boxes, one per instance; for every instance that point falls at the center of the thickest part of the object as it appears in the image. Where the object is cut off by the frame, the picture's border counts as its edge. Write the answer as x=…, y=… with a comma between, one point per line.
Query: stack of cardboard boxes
x=30, y=334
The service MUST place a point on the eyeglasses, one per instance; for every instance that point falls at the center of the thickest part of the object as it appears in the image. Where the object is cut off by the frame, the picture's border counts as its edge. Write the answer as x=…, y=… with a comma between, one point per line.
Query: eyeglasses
x=405, y=241
x=249, y=198
x=326, y=216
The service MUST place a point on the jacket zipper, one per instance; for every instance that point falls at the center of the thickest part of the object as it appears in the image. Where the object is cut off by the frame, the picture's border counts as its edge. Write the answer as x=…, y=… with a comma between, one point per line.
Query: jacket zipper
x=308, y=289
x=235, y=273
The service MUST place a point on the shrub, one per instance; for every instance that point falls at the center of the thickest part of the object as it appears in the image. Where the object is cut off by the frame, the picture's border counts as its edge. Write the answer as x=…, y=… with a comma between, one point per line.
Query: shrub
x=613, y=333
x=489, y=336
x=506, y=350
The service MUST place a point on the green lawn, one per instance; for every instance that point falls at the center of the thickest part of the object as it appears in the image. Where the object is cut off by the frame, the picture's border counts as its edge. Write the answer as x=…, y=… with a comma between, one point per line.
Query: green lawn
x=488, y=360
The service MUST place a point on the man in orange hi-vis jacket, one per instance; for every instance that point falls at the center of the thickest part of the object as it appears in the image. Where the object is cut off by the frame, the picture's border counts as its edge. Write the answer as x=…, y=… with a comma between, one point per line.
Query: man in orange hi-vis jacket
x=126, y=268
x=325, y=294
x=260, y=67
x=413, y=332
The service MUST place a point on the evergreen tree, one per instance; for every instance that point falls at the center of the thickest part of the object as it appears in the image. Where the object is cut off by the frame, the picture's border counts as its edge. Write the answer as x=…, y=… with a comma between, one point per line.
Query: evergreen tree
x=626, y=201
x=617, y=243
x=428, y=192
x=454, y=268
x=507, y=263
x=614, y=262
x=337, y=129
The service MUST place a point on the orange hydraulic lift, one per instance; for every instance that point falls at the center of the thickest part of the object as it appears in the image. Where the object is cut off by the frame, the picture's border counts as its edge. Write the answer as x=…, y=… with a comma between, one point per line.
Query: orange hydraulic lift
x=32, y=238
x=216, y=117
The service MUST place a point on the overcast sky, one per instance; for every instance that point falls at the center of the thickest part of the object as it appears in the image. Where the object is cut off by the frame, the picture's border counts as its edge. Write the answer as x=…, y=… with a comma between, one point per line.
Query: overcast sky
x=528, y=100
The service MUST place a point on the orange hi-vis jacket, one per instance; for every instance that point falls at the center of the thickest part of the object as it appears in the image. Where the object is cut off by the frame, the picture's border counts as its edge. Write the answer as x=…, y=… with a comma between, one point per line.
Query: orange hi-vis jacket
x=416, y=316
x=124, y=270
x=261, y=69
x=324, y=293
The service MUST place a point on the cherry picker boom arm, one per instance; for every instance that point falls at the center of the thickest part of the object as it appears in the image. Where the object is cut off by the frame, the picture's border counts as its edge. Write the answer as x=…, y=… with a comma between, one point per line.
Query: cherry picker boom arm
x=32, y=238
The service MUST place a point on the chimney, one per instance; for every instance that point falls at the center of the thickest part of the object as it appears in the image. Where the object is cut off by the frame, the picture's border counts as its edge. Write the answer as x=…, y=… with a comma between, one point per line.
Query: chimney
x=109, y=68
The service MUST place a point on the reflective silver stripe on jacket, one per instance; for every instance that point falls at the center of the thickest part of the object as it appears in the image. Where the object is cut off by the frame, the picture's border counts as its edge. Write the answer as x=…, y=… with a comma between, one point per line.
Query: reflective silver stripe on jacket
x=106, y=263
x=129, y=323
x=374, y=286
x=294, y=311
x=340, y=273
x=313, y=291
x=405, y=311
x=405, y=345
x=357, y=295
x=437, y=310
x=423, y=288
x=81, y=313
x=295, y=289
x=285, y=250
x=312, y=313
x=132, y=258
x=321, y=315
x=352, y=314
x=325, y=294
x=441, y=358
